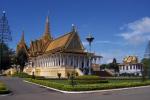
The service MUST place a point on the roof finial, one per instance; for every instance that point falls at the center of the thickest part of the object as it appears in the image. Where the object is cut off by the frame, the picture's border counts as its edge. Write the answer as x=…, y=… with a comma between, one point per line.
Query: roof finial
x=22, y=38
x=47, y=26
x=47, y=33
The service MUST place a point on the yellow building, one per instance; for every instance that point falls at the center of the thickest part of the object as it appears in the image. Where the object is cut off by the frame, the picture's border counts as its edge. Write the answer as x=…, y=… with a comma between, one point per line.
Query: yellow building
x=49, y=56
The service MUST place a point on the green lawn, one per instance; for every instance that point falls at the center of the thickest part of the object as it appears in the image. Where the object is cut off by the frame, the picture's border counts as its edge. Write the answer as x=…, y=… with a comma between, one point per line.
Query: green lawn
x=3, y=89
x=87, y=82
x=87, y=85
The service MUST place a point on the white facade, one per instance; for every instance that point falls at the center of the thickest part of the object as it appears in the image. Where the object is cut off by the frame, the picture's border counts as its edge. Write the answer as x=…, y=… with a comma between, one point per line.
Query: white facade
x=135, y=69
x=80, y=61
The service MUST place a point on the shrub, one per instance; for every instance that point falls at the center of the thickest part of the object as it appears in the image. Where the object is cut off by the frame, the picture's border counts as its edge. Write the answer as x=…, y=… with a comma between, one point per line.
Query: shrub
x=91, y=81
x=68, y=75
x=22, y=75
x=77, y=74
x=3, y=89
x=121, y=78
x=88, y=77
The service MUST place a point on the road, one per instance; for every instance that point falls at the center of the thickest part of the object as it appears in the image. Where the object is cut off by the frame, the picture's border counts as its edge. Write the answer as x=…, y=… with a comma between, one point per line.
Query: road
x=25, y=91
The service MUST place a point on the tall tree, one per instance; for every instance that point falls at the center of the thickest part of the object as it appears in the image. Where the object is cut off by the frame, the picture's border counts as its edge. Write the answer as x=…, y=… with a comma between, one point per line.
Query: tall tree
x=115, y=66
x=146, y=68
x=22, y=58
x=5, y=60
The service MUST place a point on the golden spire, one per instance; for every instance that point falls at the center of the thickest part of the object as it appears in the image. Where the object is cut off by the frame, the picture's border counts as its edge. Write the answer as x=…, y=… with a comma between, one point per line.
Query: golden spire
x=47, y=26
x=22, y=38
x=47, y=33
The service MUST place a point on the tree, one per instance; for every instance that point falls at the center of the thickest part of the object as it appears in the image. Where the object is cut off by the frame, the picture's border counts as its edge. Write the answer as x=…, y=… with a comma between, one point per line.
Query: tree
x=146, y=68
x=22, y=58
x=104, y=66
x=6, y=56
x=115, y=66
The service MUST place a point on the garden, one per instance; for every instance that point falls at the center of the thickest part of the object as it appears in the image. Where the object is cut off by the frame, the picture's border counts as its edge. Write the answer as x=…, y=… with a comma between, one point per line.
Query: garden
x=87, y=82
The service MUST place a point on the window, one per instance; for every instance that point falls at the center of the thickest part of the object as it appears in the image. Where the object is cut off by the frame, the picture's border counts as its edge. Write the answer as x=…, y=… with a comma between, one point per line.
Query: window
x=126, y=67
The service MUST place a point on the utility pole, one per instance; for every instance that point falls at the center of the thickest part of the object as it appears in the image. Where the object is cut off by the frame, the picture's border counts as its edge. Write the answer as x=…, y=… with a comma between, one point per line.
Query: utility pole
x=5, y=36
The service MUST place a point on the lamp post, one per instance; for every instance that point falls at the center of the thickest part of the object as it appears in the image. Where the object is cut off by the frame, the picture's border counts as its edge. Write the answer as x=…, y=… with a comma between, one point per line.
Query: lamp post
x=90, y=39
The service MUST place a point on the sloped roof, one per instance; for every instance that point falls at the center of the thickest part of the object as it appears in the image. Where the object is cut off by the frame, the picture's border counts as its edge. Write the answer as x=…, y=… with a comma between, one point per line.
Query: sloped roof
x=60, y=42
x=130, y=59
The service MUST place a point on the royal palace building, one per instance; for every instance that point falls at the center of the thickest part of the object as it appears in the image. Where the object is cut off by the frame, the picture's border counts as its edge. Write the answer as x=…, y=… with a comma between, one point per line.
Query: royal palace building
x=131, y=66
x=49, y=56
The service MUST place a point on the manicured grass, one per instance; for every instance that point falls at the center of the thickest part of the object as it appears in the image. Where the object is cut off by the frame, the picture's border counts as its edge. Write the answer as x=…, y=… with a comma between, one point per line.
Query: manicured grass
x=86, y=82
x=3, y=89
x=83, y=86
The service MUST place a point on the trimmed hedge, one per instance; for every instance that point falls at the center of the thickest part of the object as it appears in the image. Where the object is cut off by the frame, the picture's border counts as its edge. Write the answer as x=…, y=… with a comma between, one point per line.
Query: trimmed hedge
x=87, y=77
x=121, y=78
x=88, y=87
x=91, y=81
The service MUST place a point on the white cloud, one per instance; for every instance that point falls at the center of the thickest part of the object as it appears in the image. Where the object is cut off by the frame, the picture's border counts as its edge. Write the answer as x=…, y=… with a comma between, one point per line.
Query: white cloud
x=137, y=31
x=108, y=56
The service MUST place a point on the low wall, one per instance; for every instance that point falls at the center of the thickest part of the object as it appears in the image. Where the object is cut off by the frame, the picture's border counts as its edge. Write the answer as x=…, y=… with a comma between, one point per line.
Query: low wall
x=51, y=71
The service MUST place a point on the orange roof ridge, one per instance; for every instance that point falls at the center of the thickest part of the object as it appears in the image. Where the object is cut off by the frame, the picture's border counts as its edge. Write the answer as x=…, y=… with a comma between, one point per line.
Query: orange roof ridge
x=63, y=35
x=60, y=42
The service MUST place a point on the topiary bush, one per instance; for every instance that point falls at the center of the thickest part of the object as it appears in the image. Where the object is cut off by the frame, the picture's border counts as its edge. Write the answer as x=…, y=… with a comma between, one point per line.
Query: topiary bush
x=59, y=75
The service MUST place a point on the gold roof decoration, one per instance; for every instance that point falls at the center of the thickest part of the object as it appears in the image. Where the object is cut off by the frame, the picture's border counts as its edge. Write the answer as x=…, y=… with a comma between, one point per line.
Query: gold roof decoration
x=130, y=59
x=22, y=44
x=69, y=42
x=58, y=43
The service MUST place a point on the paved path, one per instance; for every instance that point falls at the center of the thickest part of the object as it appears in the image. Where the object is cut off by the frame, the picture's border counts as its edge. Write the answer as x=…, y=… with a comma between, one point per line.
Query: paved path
x=25, y=91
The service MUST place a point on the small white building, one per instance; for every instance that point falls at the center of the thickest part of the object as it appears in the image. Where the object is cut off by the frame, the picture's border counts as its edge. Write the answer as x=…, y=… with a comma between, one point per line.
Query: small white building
x=130, y=65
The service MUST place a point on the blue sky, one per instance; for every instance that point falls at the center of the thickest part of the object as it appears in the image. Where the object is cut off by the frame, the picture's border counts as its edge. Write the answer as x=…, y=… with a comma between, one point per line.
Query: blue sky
x=120, y=27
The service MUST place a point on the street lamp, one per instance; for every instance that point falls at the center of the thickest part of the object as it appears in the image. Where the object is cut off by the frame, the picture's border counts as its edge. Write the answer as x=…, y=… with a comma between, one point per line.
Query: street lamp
x=90, y=39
